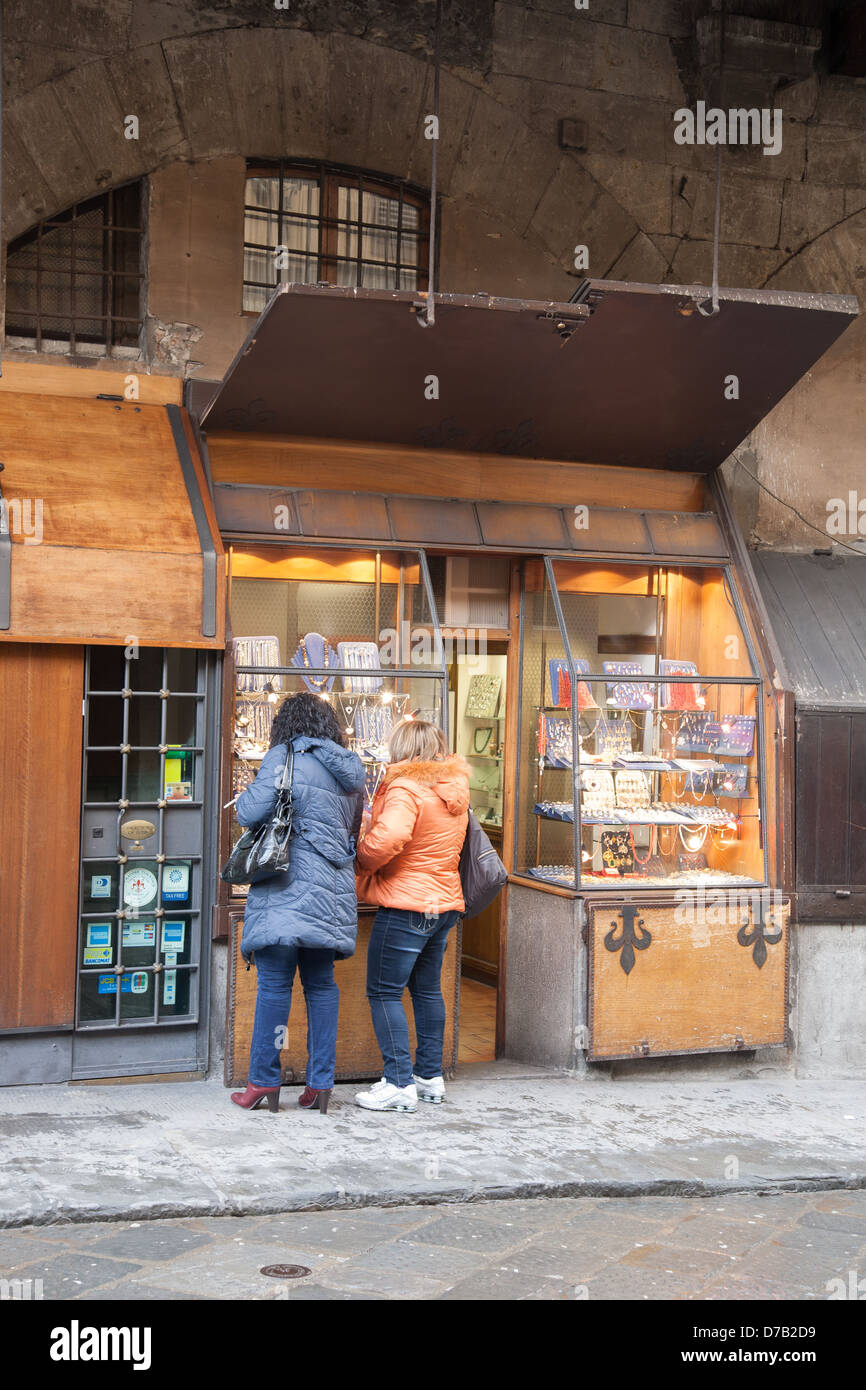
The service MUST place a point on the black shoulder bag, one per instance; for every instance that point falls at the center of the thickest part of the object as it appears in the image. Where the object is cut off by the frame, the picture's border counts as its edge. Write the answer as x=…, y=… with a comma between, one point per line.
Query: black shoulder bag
x=482, y=873
x=263, y=850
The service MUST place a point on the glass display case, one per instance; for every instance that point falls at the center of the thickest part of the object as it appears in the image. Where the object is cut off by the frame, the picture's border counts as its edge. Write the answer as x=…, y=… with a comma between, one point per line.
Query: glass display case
x=641, y=734
x=358, y=629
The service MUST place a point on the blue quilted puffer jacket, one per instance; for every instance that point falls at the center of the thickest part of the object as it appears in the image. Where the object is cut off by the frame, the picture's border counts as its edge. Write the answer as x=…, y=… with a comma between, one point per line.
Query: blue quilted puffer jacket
x=314, y=904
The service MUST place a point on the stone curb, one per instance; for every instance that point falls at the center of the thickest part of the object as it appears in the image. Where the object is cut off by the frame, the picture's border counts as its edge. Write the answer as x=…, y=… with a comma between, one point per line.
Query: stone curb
x=340, y=1200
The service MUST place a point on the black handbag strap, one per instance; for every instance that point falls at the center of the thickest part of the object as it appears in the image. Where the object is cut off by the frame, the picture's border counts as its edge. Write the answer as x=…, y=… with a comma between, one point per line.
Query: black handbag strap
x=290, y=769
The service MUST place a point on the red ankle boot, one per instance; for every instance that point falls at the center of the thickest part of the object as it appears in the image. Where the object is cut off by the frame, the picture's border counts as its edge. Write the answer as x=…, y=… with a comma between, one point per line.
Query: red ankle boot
x=314, y=1100
x=252, y=1097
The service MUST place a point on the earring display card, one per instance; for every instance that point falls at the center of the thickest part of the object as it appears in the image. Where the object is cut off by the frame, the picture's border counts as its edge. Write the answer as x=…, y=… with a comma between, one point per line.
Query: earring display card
x=737, y=735
x=613, y=738
x=632, y=790
x=557, y=747
x=733, y=781
x=482, y=702
x=360, y=656
x=597, y=794
x=698, y=733
x=627, y=694
x=616, y=851
x=680, y=695
x=257, y=651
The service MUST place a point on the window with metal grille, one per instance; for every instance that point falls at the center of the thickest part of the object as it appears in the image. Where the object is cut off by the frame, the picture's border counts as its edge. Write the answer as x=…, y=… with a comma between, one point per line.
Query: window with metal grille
x=77, y=278
x=306, y=223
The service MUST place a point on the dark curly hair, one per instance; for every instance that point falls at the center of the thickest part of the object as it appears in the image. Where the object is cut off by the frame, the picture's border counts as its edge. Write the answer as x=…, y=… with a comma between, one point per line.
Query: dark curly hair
x=307, y=716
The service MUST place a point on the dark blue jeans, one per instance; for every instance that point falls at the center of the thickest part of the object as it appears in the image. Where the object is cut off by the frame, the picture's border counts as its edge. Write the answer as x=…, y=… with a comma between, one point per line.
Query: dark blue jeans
x=407, y=948
x=276, y=966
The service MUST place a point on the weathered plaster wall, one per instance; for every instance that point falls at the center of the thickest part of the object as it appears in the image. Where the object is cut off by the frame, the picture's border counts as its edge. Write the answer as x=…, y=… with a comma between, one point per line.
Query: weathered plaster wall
x=808, y=451
x=830, y=1037
x=196, y=232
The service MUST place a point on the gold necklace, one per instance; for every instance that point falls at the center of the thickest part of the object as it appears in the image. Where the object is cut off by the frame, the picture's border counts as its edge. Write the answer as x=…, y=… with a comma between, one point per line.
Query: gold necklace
x=317, y=682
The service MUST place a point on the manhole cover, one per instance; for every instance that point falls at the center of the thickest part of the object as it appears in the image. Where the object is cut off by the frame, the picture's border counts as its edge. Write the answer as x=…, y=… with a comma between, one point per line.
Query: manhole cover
x=285, y=1271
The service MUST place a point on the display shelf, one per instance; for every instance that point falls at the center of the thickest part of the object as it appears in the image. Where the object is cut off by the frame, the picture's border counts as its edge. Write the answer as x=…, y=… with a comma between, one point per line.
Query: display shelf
x=562, y=876
x=710, y=878
x=642, y=817
x=625, y=764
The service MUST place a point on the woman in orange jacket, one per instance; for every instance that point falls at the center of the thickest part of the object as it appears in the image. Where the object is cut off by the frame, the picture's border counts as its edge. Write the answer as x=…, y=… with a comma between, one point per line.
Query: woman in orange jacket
x=408, y=865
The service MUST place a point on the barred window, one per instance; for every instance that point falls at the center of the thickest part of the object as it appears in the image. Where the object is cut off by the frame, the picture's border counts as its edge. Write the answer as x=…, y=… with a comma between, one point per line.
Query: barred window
x=78, y=278
x=306, y=223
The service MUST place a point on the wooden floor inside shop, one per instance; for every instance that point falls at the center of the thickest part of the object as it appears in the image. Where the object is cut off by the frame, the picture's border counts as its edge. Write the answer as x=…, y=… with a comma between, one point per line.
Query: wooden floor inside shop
x=477, y=1022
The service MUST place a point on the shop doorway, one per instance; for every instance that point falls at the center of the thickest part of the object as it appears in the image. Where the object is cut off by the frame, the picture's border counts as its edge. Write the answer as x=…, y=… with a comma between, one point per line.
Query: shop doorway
x=473, y=600
x=477, y=724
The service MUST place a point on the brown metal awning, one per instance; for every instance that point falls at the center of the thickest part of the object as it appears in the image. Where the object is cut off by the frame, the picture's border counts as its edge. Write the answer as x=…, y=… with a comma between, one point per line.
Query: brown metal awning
x=631, y=375
x=435, y=522
x=107, y=530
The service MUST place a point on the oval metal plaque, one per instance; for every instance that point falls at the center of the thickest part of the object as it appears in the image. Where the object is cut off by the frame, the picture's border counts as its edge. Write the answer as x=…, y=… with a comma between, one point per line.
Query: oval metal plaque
x=138, y=830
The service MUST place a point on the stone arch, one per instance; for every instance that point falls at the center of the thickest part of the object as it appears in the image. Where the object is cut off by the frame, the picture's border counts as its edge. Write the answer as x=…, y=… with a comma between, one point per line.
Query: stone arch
x=278, y=91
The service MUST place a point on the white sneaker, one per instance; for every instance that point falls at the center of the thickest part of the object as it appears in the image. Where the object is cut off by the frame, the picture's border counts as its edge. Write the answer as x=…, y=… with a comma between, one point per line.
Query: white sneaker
x=384, y=1096
x=432, y=1090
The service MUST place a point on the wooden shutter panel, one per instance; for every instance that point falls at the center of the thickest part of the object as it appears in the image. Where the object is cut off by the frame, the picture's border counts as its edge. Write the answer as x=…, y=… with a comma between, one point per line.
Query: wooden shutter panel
x=831, y=815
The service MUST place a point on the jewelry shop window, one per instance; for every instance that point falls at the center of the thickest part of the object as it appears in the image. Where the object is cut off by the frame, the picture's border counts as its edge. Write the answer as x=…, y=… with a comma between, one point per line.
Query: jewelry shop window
x=642, y=732
x=357, y=628
x=142, y=834
x=308, y=223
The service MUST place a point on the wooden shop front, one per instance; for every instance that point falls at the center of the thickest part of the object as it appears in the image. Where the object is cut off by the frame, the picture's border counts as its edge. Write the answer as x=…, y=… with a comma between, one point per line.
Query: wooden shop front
x=112, y=604
x=512, y=522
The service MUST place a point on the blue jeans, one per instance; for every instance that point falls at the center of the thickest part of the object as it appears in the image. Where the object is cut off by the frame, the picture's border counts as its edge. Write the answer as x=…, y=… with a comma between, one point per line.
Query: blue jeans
x=276, y=966
x=407, y=948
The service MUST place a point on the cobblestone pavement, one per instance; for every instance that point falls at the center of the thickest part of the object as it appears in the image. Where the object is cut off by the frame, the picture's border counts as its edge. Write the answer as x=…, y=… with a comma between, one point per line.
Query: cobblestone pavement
x=787, y=1246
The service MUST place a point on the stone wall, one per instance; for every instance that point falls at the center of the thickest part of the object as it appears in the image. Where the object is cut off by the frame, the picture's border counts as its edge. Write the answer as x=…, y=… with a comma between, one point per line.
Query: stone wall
x=557, y=130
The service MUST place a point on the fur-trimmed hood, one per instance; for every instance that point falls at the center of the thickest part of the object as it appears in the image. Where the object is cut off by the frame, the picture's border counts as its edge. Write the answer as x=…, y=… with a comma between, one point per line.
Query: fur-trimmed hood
x=448, y=778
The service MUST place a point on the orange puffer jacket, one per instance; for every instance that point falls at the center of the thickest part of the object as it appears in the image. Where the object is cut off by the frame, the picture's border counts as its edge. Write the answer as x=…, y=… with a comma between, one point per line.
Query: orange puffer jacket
x=409, y=857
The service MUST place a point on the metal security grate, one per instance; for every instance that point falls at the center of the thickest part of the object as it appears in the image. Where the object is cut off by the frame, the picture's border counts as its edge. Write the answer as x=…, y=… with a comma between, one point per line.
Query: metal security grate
x=78, y=277
x=310, y=223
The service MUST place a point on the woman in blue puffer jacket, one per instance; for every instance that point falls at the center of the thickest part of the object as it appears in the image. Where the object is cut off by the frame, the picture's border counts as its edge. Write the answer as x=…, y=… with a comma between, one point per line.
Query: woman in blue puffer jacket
x=308, y=917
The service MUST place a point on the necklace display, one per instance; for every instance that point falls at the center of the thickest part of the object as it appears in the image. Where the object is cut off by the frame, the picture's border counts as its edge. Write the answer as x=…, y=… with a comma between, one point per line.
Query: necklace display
x=723, y=837
x=649, y=854
x=486, y=744
x=693, y=836
x=317, y=682
x=667, y=850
